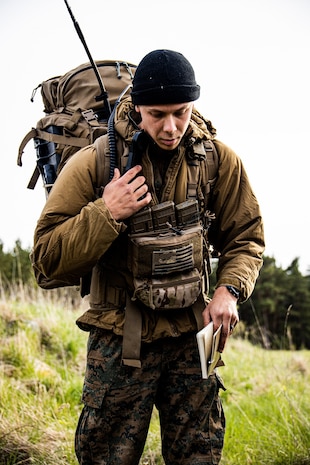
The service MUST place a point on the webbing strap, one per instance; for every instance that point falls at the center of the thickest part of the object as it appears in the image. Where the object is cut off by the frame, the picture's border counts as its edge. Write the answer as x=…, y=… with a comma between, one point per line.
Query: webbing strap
x=66, y=140
x=57, y=138
x=132, y=335
x=133, y=329
x=30, y=135
x=34, y=178
x=193, y=178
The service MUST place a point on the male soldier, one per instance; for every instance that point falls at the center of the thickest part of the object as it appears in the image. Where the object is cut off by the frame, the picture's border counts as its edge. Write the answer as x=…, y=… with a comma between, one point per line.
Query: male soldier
x=146, y=300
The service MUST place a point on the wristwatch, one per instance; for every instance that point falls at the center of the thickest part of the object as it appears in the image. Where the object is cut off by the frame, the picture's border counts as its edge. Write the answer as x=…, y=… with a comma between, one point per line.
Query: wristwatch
x=233, y=291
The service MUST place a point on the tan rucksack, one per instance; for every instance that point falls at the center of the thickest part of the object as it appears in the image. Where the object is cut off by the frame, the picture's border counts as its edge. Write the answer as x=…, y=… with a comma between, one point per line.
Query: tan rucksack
x=75, y=116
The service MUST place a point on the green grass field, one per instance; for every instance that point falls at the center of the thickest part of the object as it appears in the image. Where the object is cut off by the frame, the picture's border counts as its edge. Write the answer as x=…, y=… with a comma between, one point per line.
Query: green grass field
x=42, y=359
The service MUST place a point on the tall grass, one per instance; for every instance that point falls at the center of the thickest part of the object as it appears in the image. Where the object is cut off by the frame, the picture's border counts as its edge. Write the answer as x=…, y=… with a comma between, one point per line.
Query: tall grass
x=267, y=406
x=41, y=373
x=42, y=362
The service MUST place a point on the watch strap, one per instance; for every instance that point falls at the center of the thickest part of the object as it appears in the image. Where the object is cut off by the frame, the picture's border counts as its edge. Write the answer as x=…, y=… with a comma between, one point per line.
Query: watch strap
x=233, y=291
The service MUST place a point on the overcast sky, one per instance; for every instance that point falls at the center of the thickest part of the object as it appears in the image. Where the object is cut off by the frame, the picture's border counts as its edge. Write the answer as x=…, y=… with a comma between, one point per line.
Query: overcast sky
x=251, y=59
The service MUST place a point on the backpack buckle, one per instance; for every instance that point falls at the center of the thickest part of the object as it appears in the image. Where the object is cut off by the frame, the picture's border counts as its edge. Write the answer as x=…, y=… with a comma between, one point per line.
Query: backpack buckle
x=89, y=115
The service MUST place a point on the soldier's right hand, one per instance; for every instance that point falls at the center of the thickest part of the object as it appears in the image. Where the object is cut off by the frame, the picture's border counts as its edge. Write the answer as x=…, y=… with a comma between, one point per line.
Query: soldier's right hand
x=126, y=195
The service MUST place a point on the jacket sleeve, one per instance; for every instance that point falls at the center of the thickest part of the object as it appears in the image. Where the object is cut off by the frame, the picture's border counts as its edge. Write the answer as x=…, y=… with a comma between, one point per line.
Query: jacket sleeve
x=237, y=231
x=75, y=229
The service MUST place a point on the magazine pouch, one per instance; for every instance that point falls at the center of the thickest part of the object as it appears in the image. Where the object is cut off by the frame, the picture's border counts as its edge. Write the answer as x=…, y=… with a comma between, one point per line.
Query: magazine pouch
x=178, y=291
x=167, y=266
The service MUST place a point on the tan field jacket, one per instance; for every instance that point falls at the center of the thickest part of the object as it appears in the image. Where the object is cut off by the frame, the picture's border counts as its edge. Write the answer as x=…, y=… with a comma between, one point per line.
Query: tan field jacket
x=76, y=235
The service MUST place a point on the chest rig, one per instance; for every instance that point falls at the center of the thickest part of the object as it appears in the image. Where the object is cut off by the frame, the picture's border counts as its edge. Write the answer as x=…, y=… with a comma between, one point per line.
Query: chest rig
x=165, y=255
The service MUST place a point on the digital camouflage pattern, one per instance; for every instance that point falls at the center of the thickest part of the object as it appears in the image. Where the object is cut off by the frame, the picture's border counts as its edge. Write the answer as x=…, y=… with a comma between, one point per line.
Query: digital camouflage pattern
x=118, y=403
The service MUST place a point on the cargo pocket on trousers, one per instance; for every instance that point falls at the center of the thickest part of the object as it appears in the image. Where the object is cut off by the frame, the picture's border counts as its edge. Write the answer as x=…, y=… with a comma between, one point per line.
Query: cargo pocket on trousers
x=95, y=386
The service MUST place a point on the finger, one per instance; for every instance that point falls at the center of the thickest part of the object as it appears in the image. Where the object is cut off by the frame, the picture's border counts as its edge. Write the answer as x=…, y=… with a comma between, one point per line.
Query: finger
x=233, y=321
x=138, y=183
x=116, y=174
x=130, y=175
x=232, y=326
x=141, y=192
x=223, y=339
x=206, y=316
x=144, y=200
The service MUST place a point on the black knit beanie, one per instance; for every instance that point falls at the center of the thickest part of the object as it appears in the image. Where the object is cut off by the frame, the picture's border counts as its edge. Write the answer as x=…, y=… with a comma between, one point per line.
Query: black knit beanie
x=163, y=77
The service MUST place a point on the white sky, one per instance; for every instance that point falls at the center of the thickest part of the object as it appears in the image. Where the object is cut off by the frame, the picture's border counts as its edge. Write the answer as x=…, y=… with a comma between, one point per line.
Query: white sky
x=251, y=59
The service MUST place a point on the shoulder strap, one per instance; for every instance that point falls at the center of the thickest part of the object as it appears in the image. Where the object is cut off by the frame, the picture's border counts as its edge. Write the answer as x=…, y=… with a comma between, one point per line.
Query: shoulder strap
x=202, y=172
x=212, y=159
x=102, y=163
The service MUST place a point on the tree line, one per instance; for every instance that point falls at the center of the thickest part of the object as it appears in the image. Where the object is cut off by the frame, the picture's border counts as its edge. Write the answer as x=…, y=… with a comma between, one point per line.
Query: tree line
x=277, y=315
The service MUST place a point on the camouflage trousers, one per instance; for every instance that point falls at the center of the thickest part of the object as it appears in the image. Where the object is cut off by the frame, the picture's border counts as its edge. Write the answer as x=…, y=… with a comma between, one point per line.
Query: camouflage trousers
x=118, y=403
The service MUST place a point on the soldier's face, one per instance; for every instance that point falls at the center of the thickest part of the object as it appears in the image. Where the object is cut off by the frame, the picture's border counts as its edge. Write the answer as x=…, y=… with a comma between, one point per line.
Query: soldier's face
x=166, y=124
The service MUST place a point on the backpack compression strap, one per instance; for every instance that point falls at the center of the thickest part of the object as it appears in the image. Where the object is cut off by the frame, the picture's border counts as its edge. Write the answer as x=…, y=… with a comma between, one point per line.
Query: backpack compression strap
x=57, y=138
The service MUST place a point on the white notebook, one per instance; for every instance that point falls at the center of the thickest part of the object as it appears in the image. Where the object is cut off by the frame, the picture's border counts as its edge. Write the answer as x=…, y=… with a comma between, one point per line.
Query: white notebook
x=208, y=349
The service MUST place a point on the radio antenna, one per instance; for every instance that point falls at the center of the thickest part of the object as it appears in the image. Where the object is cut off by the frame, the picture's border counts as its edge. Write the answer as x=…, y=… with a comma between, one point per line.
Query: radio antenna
x=103, y=95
